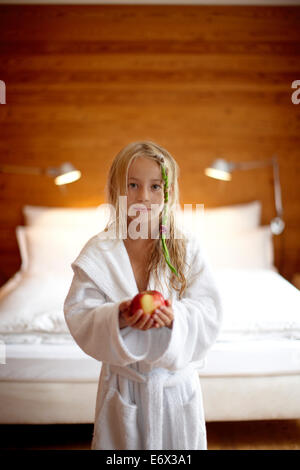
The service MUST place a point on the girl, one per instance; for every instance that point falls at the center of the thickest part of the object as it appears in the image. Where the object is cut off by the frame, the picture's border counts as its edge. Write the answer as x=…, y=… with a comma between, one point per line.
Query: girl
x=149, y=394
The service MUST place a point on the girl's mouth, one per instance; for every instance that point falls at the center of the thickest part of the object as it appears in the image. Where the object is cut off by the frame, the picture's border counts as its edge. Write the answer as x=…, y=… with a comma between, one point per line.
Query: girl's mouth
x=142, y=209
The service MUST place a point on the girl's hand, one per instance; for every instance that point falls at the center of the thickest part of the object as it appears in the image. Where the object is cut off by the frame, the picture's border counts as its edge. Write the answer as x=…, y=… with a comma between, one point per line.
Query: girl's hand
x=164, y=315
x=139, y=320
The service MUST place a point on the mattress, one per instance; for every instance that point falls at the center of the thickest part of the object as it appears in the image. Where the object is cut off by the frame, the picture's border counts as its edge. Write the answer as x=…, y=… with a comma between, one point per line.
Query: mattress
x=68, y=363
x=260, y=334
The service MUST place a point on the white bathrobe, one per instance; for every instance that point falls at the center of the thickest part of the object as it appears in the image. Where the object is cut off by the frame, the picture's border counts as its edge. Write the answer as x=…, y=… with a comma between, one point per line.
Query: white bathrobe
x=149, y=394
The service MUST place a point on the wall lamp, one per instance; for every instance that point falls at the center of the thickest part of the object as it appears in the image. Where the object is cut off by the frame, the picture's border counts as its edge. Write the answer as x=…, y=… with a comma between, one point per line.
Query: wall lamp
x=64, y=174
x=222, y=169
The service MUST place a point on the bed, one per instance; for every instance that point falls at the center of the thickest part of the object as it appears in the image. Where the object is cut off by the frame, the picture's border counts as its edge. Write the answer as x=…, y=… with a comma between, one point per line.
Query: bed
x=252, y=372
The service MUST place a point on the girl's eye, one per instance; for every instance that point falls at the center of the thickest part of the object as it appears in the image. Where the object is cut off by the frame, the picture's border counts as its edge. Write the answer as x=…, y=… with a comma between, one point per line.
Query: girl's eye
x=155, y=186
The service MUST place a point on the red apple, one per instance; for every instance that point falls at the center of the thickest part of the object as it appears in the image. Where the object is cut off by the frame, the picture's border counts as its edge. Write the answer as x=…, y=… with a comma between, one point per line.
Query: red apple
x=148, y=301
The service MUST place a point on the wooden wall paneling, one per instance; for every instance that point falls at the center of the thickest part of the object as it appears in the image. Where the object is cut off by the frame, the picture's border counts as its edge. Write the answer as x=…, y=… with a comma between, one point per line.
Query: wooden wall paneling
x=203, y=81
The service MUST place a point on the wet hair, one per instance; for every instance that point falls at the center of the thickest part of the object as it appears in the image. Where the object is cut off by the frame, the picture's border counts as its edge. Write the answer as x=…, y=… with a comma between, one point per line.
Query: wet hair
x=168, y=254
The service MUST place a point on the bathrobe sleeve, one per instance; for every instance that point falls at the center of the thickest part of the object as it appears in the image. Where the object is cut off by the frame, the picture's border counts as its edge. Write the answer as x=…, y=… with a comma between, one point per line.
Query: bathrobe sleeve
x=197, y=319
x=94, y=324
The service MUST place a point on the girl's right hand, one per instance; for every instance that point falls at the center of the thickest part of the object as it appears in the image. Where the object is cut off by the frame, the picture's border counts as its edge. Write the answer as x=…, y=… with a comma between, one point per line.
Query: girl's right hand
x=139, y=320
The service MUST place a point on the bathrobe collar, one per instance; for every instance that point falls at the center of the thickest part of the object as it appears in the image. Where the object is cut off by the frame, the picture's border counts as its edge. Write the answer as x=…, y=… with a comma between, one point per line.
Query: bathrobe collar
x=107, y=263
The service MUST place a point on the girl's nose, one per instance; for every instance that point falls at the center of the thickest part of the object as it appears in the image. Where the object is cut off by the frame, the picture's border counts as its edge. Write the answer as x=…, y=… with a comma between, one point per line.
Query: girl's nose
x=144, y=194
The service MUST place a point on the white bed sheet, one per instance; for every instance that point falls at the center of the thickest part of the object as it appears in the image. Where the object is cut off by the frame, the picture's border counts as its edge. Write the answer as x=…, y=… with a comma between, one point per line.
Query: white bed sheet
x=68, y=363
x=258, y=303
x=260, y=334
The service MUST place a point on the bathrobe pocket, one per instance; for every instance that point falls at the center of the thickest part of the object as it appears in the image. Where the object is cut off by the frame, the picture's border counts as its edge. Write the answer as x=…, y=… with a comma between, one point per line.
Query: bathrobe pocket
x=116, y=426
x=194, y=421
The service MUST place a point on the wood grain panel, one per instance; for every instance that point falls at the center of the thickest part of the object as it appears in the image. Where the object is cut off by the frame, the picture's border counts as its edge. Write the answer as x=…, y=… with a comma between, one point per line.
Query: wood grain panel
x=203, y=81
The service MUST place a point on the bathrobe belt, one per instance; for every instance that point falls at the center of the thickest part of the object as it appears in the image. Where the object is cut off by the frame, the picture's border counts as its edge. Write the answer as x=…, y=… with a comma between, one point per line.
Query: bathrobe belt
x=154, y=382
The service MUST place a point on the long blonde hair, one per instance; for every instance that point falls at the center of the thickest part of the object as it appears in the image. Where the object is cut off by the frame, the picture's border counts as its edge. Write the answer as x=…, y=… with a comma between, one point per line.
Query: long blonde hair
x=117, y=184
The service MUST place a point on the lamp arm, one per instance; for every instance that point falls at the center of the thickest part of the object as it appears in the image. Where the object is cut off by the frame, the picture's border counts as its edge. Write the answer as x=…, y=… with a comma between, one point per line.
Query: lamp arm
x=18, y=169
x=262, y=163
x=253, y=164
x=277, y=188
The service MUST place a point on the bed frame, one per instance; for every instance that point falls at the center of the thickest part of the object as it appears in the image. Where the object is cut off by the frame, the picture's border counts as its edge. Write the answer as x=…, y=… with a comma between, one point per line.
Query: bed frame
x=233, y=398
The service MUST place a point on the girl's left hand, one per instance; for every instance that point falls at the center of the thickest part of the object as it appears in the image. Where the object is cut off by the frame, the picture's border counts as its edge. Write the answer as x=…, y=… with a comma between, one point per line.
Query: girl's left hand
x=164, y=316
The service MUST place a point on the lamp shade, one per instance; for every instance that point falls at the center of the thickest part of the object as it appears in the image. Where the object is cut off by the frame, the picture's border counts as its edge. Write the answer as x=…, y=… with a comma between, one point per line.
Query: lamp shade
x=64, y=174
x=219, y=169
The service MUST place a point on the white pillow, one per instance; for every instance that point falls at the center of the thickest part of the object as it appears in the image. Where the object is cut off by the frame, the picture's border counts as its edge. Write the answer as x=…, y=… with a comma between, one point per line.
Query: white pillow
x=51, y=249
x=66, y=217
x=35, y=303
x=252, y=249
x=224, y=220
x=231, y=218
x=47, y=248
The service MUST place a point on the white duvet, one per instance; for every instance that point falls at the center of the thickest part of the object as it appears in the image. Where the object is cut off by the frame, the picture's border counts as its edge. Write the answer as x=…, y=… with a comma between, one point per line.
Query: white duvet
x=258, y=304
x=31, y=309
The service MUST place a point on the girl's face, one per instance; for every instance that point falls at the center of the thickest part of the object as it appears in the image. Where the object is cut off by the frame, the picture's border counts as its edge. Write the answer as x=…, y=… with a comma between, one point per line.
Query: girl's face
x=145, y=187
